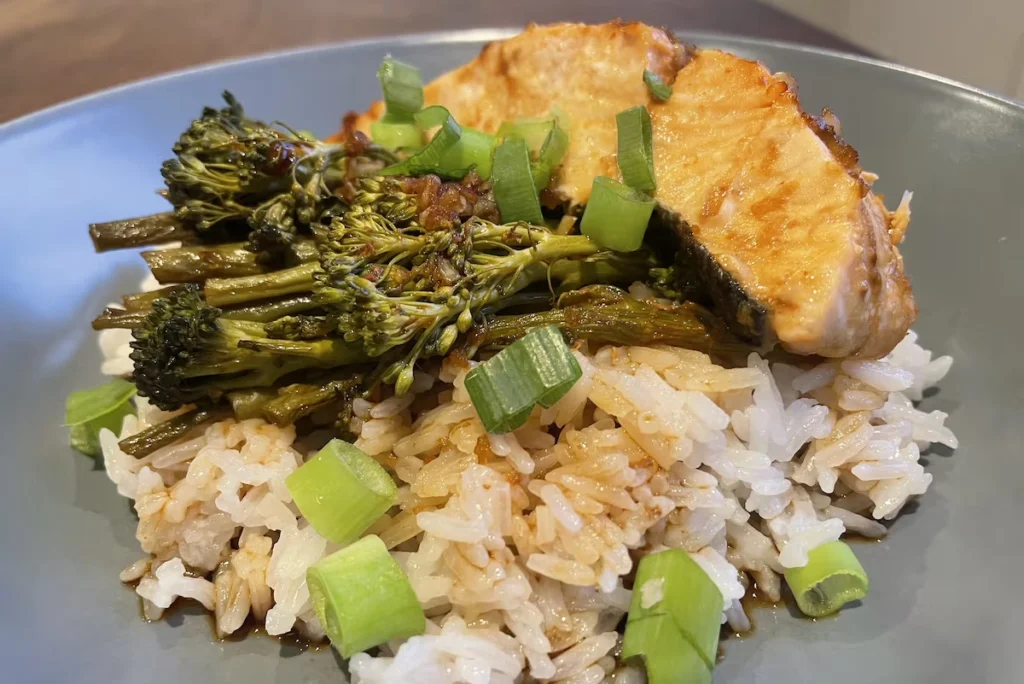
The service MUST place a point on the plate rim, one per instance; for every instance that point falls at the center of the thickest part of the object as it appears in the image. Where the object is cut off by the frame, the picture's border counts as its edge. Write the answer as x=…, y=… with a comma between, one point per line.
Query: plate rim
x=11, y=128
x=261, y=656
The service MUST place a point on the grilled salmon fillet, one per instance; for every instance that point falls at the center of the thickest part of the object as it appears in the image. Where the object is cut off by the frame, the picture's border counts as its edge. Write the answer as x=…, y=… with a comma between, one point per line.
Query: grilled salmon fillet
x=770, y=206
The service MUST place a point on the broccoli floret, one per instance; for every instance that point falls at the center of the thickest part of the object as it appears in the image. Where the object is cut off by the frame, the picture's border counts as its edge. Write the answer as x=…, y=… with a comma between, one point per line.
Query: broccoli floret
x=401, y=289
x=185, y=351
x=233, y=177
x=370, y=287
x=226, y=165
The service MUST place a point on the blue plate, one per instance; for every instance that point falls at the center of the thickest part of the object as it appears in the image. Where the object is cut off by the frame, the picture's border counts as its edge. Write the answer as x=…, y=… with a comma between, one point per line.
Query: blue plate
x=944, y=602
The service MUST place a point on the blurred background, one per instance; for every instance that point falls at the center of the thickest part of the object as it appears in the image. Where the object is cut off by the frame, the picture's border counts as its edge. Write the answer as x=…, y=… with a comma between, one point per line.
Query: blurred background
x=52, y=50
x=979, y=42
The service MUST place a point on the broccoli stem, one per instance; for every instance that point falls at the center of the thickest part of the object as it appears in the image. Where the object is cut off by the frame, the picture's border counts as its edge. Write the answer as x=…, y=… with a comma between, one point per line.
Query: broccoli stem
x=617, y=319
x=227, y=291
x=196, y=264
x=571, y=261
x=143, y=301
x=297, y=401
x=206, y=383
x=329, y=352
x=155, y=229
x=113, y=317
x=447, y=278
x=138, y=305
x=170, y=431
x=265, y=312
x=606, y=267
x=241, y=347
x=283, y=406
x=136, y=308
x=249, y=403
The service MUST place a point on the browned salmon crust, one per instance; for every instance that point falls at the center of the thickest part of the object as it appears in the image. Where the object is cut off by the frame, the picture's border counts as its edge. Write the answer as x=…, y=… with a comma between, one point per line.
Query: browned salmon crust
x=770, y=204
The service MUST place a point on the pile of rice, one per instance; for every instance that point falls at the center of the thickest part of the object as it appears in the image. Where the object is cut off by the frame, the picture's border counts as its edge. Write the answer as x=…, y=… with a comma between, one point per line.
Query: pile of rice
x=518, y=545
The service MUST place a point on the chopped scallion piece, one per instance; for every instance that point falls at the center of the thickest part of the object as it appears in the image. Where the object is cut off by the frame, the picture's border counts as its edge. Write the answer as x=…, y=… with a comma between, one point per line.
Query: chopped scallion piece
x=89, y=411
x=690, y=599
x=474, y=149
x=616, y=216
x=832, y=578
x=546, y=141
x=363, y=598
x=341, y=491
x=562, y=117
x=551, y=152
x=537, y=369
x=636, y=148
x=668, y=657
x=402, y=86
x=514, y=190
x=532, y=131
x=395, y=135
x=553, y=363
x=658, y=89
x=430, y=158
x=432, y=117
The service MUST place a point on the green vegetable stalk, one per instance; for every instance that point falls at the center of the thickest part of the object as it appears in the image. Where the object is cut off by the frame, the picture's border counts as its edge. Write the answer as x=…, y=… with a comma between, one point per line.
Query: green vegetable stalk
x=170, y=431
x=604, y=314
x=196, y=264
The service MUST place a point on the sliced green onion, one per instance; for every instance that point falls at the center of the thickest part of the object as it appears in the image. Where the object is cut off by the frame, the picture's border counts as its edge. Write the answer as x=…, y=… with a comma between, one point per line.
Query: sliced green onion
x=550, y=156
x=832, y=578
x=395, y=136
x=363, y=598
x=89, y=411
x=553, y=363
x=658, y=89
x=690, y=599
x=402, y=86
x=616, y=216
x=537, y=369
x=430, y=158
x=562, y=117
x=514, y=190
x=474, y=149
x=531, y=131
x=636, y=148
x=341, y=491
x=668, y=657
x=433, y=116
x=546, y=141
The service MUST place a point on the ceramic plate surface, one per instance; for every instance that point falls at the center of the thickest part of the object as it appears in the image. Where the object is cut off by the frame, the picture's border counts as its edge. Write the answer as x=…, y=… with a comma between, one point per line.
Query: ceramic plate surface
x=944, y=602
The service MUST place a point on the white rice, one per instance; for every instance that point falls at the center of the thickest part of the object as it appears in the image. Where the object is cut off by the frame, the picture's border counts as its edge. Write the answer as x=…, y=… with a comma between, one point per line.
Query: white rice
x=517, y=545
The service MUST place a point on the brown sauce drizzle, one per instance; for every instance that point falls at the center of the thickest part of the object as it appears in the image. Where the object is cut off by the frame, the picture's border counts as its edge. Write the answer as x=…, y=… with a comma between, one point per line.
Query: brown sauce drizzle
x=179, y=610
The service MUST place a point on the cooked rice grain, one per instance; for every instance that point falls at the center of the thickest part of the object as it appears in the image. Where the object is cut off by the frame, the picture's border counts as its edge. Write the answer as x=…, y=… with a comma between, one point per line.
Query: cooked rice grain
x=517, y=545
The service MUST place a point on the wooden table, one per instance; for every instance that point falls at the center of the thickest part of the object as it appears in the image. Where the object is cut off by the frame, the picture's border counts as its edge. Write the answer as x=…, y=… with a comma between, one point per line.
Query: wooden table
x=53, y=50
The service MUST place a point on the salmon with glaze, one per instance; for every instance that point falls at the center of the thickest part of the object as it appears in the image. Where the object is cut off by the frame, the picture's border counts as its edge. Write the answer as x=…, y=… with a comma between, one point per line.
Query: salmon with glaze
x=772, y=210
